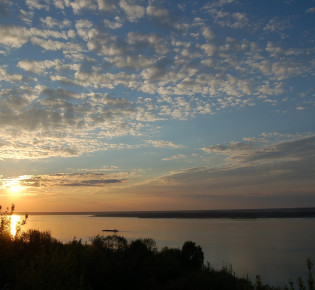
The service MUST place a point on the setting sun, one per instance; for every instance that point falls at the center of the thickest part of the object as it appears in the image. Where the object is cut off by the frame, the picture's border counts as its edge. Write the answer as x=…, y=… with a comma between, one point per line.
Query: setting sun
x=15, y=188
x=13, y=185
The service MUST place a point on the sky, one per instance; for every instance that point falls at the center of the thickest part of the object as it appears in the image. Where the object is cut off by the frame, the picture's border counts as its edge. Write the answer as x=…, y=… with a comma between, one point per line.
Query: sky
x=110, y=105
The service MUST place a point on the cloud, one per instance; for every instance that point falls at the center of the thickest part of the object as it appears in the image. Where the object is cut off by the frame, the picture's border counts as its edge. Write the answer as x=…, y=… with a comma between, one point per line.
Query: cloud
x=134, y=62
x=61, y=4
x=42, y=122
x=87, y=179
x=37, y=67
x=13, y=36
x=83, y=28
x=142, y=40
x=99, y=183
x=134, y=12
x=117, y=23
x=51, y=22
x=26, y=16
x=175, y=157
x=250, y=152
x=233, y=147
x=279, y=26
x=310, y=10
x=107, y=5
x=207, y=33
x=106, y=80
x=78, y=5
x=56, y=45
x=163, y=144
x=156, y=12
x=10, y=78
x=209, y=49
x=161, y=16
x=146, y=73
x=17, y=36
x=270, y=169
x=105, y=43
x=234, y=20
x=37, y=4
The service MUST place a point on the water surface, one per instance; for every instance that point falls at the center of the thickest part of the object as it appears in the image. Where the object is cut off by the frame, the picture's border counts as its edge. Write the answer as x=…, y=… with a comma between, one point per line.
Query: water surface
x=275, y=248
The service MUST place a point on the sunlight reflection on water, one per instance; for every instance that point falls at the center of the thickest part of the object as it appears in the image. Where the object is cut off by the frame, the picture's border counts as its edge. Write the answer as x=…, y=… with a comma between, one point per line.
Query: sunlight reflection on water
x=14, y=219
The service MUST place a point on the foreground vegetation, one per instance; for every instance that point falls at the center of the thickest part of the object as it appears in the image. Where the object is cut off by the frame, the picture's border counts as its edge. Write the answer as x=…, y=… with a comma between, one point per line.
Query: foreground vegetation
x=36, y=260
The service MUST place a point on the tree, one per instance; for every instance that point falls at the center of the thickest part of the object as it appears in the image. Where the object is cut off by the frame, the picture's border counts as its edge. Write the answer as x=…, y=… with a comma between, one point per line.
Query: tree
x=192, y=255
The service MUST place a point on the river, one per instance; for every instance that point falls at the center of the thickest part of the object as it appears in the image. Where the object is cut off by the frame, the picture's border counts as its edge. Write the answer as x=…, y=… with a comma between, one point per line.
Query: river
x=274, y=248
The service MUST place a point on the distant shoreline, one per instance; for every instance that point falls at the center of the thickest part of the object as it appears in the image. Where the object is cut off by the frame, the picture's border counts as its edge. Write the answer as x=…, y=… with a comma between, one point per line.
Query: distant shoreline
x=198, y=214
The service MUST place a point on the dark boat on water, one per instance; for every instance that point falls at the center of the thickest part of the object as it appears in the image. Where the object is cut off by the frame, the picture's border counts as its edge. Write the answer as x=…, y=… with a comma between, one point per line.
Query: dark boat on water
x=113, y=231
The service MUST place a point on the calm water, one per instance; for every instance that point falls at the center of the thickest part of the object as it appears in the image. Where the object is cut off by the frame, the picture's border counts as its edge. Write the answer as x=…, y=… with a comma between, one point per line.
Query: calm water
x=276, y=249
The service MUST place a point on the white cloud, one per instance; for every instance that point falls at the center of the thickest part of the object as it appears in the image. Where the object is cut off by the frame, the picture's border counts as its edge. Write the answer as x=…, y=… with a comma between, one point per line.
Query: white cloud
x=84, y=28
x=135, y=62
x=183, y=74
x=106, y=80
x=106, y=5
x=205, y=109
x=209, y=49
x=13, y=36
x=207, y=33
x=106, y=44
x=47, y=33
x=117, y=23
x=61, y=4
x=26, y=16
x=53, y=45
x=37, y=4
x=157, y=12
x=310, y=10
x=161, y=16
x=4, y=76
x=240, y=20
x=77, y=5
x=38, y=66
x=163, y=144
x=51, y=22
x=42, y=123
x=141, y=40
x=278, y=25
x=134, y=12
x=174, y=157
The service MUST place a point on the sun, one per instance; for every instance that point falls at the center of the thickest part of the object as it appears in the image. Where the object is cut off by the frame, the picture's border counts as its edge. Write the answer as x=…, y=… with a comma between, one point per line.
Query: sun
x=13, y=185
x=15, y=188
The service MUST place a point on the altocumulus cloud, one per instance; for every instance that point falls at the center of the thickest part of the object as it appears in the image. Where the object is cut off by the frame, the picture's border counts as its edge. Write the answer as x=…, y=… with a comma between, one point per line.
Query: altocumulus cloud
x=80, y=78
x=89, y=57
